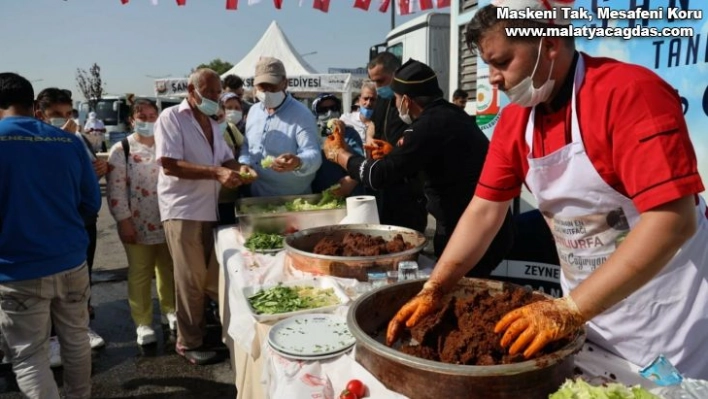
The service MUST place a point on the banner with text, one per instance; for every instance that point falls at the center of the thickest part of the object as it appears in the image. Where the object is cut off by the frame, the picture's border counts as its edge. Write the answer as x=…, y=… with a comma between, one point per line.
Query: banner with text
x=317, y=83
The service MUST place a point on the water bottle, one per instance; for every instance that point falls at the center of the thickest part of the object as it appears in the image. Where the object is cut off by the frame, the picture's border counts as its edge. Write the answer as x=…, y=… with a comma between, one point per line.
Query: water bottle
x=407, y=270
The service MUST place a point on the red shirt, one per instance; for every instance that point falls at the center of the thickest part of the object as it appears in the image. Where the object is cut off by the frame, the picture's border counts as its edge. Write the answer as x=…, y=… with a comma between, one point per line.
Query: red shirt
x=632, y=126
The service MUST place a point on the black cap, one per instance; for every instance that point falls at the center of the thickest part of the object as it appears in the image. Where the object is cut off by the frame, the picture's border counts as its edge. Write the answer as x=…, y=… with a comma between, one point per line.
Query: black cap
x=415, y=79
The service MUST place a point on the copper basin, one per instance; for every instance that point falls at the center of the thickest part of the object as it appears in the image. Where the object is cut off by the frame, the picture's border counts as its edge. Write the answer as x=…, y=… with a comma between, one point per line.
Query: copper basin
x=419, y=378
x=299, y=247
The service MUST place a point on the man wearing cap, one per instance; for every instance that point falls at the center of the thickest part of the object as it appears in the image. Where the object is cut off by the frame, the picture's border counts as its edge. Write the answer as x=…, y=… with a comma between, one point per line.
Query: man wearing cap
x=281, y=129
x=195, y=162
x=402, y=203
x=443, y=143
x=604, y=148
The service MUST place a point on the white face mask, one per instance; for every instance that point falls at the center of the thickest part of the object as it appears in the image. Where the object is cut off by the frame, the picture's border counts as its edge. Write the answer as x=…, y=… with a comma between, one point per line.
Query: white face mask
x=234, y=116
x=270, y=100
x=405, y=116
x=145, y=129
x=524, y=94
x=57, y=122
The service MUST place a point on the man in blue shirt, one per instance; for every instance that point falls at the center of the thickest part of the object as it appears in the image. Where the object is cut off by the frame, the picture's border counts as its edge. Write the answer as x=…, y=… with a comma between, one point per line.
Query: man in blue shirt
x=47, y=182
x=281, y=129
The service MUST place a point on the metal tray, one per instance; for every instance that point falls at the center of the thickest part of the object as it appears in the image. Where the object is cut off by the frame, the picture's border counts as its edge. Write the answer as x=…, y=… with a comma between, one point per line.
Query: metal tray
x=318, y=282
x=284, y=222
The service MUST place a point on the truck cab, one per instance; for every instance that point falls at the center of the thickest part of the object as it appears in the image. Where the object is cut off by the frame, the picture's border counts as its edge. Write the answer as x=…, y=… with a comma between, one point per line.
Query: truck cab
x=425, y=39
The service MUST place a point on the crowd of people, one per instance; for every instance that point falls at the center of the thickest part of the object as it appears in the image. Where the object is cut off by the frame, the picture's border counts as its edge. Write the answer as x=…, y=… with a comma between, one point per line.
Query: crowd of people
x=179, y=173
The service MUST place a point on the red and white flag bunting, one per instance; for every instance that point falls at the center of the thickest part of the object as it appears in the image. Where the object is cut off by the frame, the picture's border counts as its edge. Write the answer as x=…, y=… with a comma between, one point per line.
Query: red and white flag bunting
x=404, y=7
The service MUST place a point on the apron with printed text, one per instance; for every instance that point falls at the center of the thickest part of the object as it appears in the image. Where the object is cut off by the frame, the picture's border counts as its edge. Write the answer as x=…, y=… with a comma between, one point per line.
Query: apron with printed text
x=589, y=220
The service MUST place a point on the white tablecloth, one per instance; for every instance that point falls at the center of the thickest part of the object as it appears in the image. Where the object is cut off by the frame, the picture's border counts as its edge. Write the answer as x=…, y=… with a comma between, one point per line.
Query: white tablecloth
x=261, y=373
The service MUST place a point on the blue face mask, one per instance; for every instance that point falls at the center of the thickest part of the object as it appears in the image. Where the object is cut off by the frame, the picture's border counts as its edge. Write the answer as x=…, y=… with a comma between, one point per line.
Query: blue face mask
x=207, y=107
x=366, y=112
x=385, y=92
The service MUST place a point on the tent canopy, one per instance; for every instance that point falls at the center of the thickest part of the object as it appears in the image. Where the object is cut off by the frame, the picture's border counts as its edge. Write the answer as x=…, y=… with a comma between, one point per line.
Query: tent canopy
x=273, y=43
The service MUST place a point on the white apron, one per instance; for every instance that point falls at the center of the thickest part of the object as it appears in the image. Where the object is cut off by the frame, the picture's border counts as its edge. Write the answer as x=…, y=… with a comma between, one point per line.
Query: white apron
x=589, y=219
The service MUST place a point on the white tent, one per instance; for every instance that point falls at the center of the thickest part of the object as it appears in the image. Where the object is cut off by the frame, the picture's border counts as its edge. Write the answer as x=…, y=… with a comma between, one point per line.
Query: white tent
x=302, y=77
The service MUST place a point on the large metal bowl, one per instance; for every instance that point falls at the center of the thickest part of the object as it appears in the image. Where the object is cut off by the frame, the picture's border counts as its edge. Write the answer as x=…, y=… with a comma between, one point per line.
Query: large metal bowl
x=420, y=378
x=300, y=247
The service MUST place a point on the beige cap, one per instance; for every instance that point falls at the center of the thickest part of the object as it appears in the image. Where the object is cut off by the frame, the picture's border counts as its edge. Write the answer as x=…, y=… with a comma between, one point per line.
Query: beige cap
x=269, y=70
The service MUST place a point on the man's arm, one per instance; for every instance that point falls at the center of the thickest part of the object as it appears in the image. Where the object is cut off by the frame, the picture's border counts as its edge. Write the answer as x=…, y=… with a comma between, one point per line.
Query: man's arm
x=308, y=149
x=474, y=233
x=188, y=170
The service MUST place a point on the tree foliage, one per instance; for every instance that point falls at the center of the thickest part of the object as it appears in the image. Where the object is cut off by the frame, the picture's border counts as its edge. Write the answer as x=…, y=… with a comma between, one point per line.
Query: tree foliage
x=217, y=65
x=90, y=84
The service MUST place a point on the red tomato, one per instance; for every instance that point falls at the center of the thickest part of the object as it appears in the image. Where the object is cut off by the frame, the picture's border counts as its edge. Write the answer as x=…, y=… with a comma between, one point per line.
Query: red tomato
x=347, y=395
x=357, y=388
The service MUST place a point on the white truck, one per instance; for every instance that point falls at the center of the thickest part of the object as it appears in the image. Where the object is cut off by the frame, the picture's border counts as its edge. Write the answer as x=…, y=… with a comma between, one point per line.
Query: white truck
x=425, y=39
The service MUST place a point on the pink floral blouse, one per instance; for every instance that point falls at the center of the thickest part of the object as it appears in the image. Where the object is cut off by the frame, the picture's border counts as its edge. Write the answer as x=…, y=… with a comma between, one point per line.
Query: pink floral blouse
x=133, y=193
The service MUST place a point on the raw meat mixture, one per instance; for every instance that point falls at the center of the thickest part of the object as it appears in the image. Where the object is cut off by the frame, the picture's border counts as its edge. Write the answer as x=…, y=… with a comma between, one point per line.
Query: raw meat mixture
x=357, y=244
x=462, y=332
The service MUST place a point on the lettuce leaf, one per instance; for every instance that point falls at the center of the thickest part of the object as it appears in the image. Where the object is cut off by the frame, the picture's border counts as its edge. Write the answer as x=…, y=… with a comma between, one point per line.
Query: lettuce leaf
x=579, y=389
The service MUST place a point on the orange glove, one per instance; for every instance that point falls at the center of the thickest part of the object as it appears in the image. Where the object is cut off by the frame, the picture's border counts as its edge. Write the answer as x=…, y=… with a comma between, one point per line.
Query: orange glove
x=428, y=300
x=535, y=325
x=379, y=149
x=334, y=144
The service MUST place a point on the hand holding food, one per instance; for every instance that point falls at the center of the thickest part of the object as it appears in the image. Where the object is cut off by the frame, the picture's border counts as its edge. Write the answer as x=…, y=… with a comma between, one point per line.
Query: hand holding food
x=267, y=162
x=229, y=178
x=428, y=300
x=334, y=144
x=286, y=163
x=535, y=325
x=379, y=148
x=247, y=174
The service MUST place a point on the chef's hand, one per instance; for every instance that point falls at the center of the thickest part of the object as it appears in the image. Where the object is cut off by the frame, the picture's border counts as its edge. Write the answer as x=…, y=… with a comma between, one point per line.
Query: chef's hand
x=378, y=148
x=286, y=163
x=533, y=326
x=127, y=232
x=100, y=167
x=428, y=300
x=334, y=143
x=247, y=174
x=229, y=178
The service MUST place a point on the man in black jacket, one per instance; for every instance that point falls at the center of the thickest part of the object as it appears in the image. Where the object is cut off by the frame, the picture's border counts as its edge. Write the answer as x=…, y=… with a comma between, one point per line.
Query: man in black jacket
x=442, y=143
x=402, y=203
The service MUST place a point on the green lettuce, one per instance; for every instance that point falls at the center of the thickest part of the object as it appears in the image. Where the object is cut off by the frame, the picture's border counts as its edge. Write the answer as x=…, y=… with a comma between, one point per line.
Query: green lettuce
x=267, y=162
x=579, y=389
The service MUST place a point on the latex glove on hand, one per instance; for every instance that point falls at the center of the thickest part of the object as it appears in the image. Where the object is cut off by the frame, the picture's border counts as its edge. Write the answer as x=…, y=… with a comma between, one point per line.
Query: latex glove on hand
x=379, y=148
x=534, y=326
x=334, y=143
x=428, y=300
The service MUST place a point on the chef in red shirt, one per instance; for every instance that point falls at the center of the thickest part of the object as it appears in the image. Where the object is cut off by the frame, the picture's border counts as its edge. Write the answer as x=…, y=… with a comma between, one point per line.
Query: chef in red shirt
x=604, y=148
